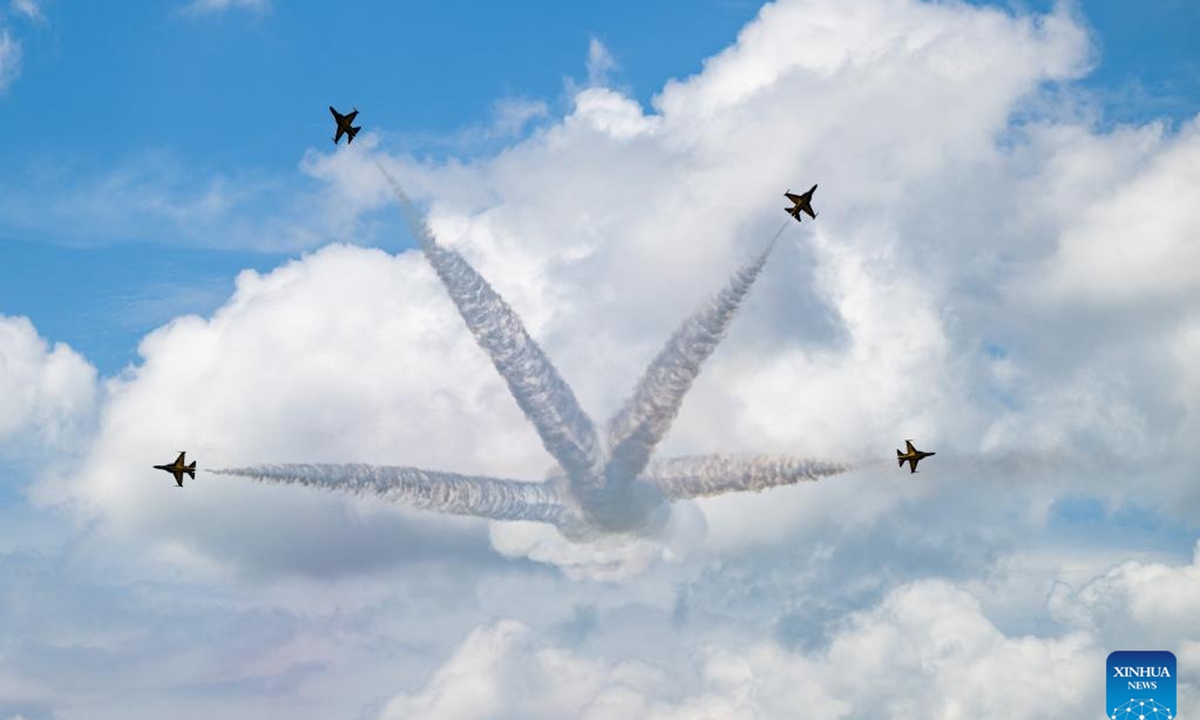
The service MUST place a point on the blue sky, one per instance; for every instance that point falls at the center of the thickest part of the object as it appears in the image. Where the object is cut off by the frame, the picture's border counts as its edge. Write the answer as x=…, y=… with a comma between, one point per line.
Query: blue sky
x=241, y=93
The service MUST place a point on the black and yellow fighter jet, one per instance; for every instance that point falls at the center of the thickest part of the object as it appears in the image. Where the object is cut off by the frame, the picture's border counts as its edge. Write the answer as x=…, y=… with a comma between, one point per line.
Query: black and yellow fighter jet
x=800, y=202
x=344, y=125
x=912, y=457
x=177, y=469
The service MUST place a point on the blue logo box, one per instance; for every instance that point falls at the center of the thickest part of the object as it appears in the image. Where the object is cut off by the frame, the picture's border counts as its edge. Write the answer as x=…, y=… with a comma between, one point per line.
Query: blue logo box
x=1141, y=685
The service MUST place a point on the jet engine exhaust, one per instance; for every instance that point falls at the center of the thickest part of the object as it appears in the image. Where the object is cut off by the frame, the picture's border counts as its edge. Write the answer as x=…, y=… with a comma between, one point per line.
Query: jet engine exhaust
x=609, y=489
x=644, y=420
x=451, y=493
x=708, y=475
x=565, y=429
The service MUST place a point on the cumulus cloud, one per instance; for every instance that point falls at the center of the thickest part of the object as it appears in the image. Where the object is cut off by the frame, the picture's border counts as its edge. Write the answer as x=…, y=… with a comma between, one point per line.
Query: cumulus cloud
x=1137, y=603
x=927, y=650
x=49, y=391
x=223, y=369
x=1128, y=245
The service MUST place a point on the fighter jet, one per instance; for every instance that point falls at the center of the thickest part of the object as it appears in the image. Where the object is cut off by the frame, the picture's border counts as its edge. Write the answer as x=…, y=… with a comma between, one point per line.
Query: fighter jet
x=800, y=202
x=344, y=125
x=912, y=457
x=177, y=469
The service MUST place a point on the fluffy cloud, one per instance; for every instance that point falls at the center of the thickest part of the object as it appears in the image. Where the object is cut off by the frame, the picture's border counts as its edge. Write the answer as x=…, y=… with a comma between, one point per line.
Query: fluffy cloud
x=250, y=385
x=926, y=651
x=48, y=391
x=1128, y=245
x=1137, y=603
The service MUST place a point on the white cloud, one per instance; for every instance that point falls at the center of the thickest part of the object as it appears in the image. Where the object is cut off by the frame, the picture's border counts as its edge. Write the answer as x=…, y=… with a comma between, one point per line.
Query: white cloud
x=1130, y=245
x=289, y=333
x=501, y=670
x=10, y=59
x=1137, y=602
x=600, y=63
x=925, y=651
x=48, y=391
x=31, y=9
x=514, y=114
x=215, y=6
x=154, y=197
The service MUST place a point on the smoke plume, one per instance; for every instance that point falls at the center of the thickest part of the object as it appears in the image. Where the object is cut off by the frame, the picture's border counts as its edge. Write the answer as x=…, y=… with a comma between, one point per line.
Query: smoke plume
x=644, y=420
x=444, y=492
x=707, y=475
x=617, y=492
x=545, y=398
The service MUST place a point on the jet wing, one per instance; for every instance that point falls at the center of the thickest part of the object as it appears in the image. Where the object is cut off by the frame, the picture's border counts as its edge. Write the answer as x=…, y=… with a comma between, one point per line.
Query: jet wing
x=340, y=131
x=336, y=115
x=179, y=460
x=705, y=475
x=350, y=116
x=911, y=450
x=793, y=197
x=808, y=209
x=178, y=477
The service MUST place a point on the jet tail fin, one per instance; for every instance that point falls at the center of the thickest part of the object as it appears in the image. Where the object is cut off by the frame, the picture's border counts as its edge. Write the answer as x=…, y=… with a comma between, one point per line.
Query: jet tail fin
x=191, y=470
x=352, y=132
x=899, y=459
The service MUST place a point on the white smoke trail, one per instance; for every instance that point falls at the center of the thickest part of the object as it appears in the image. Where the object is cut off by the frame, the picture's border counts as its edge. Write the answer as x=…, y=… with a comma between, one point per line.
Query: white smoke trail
x=566, y=430
x=493, y=498
x=628, y=497
x=706, y=475
x=646, y=417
